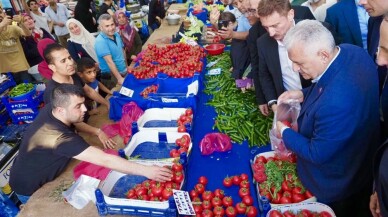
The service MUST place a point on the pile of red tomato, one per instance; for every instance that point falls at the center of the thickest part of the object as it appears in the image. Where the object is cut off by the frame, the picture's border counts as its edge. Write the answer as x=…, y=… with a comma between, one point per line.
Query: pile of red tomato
x=176, y=60
x=284, y=187
x=216, y=203
x=150, y=89
x=186, y=118
x=151, y=190
x=183, y=144
x=301, y=213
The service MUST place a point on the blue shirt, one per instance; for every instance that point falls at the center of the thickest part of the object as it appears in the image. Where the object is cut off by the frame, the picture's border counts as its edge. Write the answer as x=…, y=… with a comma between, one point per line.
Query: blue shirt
x=105, y=46
x=243, y=24
x=363, y=18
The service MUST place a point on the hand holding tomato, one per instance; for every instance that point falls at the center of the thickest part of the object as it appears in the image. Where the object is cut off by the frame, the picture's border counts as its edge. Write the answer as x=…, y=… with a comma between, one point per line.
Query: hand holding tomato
x=157, y=173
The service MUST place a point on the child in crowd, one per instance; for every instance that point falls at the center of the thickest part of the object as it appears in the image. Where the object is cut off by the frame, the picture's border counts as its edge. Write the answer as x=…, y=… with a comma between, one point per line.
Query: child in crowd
x=87, y=71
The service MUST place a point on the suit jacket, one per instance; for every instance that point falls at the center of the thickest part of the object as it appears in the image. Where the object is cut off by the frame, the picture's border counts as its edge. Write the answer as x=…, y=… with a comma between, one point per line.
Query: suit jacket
x=255, y=32
x=380, y=174
x=344, y=19
x=338, y=127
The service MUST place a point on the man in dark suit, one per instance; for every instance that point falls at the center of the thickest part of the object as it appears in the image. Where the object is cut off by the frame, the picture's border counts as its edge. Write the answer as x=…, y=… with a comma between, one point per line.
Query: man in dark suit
x=338, y=125
x=350, y=21
x=255, y=32
x=275, y=69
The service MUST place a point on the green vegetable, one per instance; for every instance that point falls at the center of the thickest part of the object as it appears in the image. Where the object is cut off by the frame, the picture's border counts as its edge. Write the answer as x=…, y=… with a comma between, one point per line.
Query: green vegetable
x=21, y=89
x=237, y=113
x=276, y=172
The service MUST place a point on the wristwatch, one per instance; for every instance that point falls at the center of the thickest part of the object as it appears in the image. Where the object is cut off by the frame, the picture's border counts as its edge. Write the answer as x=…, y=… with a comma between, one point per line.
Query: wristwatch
x=273, y=102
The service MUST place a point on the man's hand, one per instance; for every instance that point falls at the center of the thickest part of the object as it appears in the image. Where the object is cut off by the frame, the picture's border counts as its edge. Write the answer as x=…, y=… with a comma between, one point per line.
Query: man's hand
x=120, y=81
x=108, y=143
x=226, y=33
x=279, y=126
x=291, y=95
x=159, y=19
x=374, y=205
x=160, y=174
x=264, y=109
x=274, y=107
x=60, y=24
x=6, y=22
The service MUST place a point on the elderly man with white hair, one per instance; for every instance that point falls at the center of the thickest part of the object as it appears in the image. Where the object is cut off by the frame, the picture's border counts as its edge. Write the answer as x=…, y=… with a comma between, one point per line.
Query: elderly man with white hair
x=338, y=125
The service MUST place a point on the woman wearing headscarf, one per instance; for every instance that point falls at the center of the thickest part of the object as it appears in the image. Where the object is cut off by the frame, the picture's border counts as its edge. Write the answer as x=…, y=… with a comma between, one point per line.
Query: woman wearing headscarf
x=30, y=44
x=43, y=68
x=130, y=36
x=81, y=42
x=84, y=13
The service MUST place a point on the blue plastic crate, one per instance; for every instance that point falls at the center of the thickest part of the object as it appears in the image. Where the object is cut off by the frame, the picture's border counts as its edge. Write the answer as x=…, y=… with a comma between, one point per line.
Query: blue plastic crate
x=23, y=118
x=111, y=197
x=7, y=84
x=30, y=102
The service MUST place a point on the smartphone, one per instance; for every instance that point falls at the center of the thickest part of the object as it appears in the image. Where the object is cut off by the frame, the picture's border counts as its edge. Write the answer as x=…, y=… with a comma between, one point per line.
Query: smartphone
x=9, y=12
x=222, y=23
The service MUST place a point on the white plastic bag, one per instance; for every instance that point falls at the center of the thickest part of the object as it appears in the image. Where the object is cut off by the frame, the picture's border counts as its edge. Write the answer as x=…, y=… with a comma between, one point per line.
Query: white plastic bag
x=82, y=191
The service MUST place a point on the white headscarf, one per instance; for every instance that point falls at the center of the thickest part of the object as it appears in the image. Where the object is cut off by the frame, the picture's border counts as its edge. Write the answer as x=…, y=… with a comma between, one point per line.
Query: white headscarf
x=86, y=39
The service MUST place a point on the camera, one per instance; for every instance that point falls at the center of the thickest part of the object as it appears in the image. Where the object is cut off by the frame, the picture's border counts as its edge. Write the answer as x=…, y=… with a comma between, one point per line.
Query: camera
x=222, y=23
x=9, y=12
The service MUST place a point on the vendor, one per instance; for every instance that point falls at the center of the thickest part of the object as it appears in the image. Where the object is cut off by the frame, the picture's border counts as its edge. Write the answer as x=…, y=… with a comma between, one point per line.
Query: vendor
x=156, y=13
x=50, y=143
x=339, y=118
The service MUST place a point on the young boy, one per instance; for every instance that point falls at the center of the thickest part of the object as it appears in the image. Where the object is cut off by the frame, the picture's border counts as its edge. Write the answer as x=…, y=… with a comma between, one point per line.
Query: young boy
x=86, y=69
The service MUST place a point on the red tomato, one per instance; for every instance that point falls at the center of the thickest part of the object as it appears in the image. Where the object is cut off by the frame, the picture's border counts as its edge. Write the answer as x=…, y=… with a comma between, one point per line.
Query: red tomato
x=285, y=200
x=287, y=123
x=193, y=194
x=297, y=190
x=287, y=194
x=207, y=213
x=266, y=194
x=157, y=191
x=178, y=177
x=146, y=184
x=200, y=188
x=189, y=112
x=218, y=211
x=203, y=180
x=206, y=204
x=325, y=214
x=244, y=184
x=276, y=198
x=236, y=180
x=216, y=201
x=286, y=186
x=243, y=192
x=198, y=209
x=130, y=193
x=296, y=198
x=230, y=211
x=241, y=208
x=207, y=195
x=219, y=193
x=178, y=167
x=141, y=191
x=244, y=176
x=174, y=153
x=248, y=200
x=305, y=213
x=227, y=201
x=275, y=213
x=288, y=213
x=181, y=129
x=308, y=194
x=167, y=193
x=251, y=211
x=227, y=182
x=261, y=159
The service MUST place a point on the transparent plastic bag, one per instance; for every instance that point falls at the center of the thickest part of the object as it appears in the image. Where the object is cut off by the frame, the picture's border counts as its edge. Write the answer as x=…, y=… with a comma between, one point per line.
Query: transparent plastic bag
x=215, y=142
x=286, y=112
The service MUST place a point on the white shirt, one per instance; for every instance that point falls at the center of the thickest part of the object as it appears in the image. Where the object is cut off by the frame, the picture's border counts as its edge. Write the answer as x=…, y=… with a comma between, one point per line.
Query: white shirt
x=62, y=15
x=320, y=12
x=41, y=21
x=291, y=79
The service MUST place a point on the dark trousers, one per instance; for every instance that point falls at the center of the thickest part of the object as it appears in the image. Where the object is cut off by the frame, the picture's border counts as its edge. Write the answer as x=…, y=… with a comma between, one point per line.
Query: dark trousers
x=356, y=205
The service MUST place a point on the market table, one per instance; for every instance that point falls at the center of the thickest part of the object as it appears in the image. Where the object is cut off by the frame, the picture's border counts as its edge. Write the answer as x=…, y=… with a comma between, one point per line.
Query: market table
x=216, y=166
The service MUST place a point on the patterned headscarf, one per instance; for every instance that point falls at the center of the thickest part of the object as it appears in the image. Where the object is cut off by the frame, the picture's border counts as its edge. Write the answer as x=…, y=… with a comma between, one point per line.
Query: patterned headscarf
x=126, y=31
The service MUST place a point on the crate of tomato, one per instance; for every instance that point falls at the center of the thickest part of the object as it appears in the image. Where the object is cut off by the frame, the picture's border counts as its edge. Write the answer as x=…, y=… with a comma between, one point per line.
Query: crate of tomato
x=302, y=209
x=137, y=196
x=152, y=144
x=277, y=180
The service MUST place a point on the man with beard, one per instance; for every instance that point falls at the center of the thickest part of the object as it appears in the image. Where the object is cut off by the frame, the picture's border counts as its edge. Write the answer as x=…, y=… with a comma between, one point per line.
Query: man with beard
x=50, y=143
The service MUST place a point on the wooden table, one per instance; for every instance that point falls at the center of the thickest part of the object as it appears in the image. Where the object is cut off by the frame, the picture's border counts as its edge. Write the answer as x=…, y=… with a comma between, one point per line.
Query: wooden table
x=42, y=203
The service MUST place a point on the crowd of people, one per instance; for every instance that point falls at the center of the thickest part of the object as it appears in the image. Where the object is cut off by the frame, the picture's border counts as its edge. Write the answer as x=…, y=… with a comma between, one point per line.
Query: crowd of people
x=330, y=56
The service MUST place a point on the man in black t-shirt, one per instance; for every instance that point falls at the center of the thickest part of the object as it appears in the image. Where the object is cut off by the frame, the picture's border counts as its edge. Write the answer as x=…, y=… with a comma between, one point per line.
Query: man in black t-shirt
x=63, y=67
x=50, y=142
